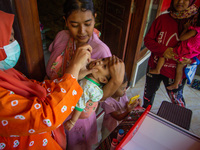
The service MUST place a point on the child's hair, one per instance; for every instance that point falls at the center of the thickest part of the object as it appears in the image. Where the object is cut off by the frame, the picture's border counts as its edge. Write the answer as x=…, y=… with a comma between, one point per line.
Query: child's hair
x=72, y=5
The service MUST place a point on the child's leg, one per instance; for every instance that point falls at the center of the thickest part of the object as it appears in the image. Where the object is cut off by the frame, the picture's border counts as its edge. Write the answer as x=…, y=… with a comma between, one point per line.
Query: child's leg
x=160, y=63
x=178, y=77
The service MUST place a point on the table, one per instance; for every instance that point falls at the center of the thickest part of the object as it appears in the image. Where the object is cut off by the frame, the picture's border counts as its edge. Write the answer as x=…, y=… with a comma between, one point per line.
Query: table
x=126, y=125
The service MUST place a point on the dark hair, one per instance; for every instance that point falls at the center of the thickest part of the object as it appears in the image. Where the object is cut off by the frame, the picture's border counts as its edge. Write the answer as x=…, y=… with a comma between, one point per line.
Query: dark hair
x=198, y=18
x=72, y=5
x=125, y=78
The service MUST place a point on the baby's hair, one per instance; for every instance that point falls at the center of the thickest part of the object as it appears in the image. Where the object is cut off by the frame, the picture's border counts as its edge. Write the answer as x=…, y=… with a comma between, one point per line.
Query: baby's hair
x=72, y=5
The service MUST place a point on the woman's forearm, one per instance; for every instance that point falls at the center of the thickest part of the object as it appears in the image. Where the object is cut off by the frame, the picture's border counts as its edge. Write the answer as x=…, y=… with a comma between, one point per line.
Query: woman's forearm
x=73, y=69
x=110, y=88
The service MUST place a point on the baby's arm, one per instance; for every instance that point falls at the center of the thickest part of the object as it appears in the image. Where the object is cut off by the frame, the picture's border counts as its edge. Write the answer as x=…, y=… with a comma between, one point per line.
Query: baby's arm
x=120, y=116
x=70, y=123
x=187, y=35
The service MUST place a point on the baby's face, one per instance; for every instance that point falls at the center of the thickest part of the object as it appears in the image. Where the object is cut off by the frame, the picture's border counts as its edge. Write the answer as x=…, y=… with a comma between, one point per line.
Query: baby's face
x=122, y=89
x=103, y=73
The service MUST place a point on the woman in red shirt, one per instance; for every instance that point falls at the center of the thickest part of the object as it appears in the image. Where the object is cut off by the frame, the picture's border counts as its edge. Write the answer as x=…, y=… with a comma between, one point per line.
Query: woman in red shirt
x=160, y=40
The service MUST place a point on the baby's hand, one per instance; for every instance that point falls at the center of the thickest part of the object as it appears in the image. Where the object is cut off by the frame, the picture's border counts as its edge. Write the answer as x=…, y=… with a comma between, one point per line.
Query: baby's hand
x=69, y=125
x=131, y=107
x=185, y=61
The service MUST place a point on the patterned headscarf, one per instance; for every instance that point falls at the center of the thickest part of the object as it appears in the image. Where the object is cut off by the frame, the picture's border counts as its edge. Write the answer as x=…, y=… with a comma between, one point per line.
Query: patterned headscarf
x=183, y=16
x=189, y=12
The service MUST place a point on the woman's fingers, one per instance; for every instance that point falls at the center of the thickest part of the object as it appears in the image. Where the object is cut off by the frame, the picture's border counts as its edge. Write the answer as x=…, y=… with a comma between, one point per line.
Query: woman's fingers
x=82, y=55
x=117, y=69
x=169, y=53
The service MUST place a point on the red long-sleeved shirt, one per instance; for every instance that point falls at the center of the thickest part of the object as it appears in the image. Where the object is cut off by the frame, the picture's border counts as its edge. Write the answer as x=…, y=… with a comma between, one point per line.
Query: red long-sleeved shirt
x=163, y=34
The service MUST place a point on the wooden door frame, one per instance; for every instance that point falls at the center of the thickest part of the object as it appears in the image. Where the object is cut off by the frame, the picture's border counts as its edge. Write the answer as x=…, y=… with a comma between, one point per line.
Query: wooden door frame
x=118, y=14
x=28, y=19
x=135, y=39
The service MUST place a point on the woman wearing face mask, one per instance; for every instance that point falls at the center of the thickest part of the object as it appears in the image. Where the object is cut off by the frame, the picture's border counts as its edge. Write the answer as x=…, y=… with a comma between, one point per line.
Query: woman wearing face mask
x=160, y=40
x=30, y=110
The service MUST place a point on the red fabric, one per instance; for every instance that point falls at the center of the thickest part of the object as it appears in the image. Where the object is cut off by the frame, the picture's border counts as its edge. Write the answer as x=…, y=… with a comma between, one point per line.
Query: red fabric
x=14, y=81
x=60, y=137
x=165, y=5
x=198, y=3
x=5, y=30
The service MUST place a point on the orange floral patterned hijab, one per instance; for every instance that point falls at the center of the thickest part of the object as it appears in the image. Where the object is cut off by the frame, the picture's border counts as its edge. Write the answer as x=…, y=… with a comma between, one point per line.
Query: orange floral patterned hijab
x=11, y=79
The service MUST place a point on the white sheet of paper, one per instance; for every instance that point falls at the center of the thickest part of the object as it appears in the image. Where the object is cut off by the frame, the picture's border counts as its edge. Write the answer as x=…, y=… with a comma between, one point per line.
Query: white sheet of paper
x=155, y=135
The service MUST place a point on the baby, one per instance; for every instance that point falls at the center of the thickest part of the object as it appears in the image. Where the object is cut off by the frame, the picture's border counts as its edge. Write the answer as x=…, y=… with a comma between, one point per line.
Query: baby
x=92, y=88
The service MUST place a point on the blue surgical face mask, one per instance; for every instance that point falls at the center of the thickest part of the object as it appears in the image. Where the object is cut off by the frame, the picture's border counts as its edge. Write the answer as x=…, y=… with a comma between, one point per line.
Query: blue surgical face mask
x=13, y=52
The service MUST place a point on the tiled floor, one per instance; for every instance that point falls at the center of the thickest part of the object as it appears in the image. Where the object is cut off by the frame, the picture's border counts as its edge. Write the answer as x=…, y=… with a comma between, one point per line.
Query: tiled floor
x=192, y=98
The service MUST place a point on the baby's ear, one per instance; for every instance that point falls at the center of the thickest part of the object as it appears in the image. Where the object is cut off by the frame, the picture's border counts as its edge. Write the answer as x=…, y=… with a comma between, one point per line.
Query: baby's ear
x=104, y=80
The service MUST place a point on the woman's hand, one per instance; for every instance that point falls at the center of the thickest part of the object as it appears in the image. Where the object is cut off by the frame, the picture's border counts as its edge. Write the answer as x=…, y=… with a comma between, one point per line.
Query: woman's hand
x=84, y=72
x=117, y=69
x=169, y=54
x=82, y=55
x=80, y=59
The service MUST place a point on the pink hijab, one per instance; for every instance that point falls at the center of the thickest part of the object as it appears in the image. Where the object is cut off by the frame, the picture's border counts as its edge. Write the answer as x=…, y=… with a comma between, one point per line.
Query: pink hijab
x=11, y=79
